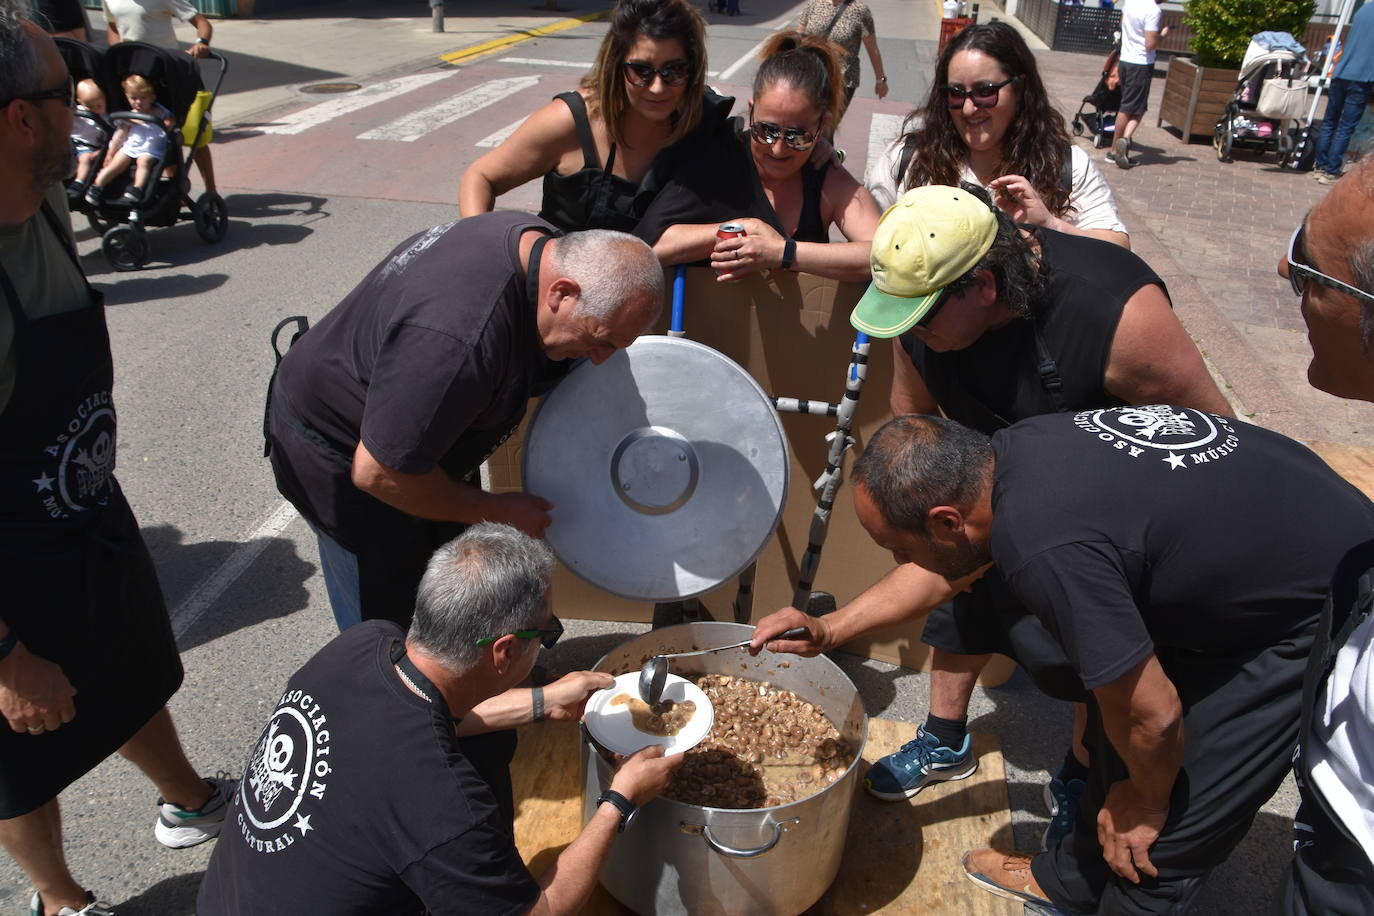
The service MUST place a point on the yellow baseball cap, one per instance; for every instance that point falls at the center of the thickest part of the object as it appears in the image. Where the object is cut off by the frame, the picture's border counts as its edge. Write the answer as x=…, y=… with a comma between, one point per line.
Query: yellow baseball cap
x=930, y=237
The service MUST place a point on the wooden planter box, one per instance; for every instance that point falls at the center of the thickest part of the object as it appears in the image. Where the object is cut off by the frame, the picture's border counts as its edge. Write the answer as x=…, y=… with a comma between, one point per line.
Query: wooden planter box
x=1195, y=97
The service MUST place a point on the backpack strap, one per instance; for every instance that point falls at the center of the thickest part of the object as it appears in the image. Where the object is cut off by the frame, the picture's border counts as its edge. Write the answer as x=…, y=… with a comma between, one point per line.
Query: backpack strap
x=1066, y=171
x=904, y=163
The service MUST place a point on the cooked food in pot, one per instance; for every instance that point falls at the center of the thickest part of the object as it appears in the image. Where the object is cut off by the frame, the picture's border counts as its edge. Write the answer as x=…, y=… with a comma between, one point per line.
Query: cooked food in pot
x=767, y=747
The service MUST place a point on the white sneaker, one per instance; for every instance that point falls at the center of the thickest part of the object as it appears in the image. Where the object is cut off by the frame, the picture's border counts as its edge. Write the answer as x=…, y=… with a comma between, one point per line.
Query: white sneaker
x=92, y=907
x=178, y=828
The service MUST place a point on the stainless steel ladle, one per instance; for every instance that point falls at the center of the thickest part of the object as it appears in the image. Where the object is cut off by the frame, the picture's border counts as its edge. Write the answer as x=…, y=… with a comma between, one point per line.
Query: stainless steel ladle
x=654, y=674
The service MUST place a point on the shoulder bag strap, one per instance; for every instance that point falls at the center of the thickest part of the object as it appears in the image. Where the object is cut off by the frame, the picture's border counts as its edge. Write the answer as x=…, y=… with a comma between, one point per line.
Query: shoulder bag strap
x=836, y=18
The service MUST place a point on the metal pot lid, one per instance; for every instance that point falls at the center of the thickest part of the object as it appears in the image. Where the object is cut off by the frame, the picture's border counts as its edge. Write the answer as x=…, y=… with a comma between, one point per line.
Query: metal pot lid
x=667, y=467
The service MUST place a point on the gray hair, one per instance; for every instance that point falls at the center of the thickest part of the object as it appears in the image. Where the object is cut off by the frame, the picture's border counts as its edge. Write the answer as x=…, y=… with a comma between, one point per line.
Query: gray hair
x=489, y=581
x=1362, y=266
x=610, y=268
x=21, y=72
x=915, y=463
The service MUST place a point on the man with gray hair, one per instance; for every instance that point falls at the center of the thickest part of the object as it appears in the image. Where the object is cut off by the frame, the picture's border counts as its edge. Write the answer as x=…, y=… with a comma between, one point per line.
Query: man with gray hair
x=1330, y=263
x=358, y=796
x=380, y=417
x=87, y=657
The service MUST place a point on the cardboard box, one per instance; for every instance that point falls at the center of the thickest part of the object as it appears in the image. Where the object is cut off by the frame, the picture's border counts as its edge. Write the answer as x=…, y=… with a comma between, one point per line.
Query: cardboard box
x=791, y=332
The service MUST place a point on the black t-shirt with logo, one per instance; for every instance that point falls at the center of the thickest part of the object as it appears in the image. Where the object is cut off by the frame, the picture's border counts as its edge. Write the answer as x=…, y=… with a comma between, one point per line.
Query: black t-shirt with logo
x=357, y=799
x=1134, y=527
x=429, y=362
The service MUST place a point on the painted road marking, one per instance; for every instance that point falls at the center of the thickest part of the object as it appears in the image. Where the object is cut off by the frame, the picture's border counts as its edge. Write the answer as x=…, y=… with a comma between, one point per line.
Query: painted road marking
x=734, y=68
x=316, y=115
x=539, y=62
x=497, y=44
x=413, y=126
x=882, y=130
x=204, y=595
x=500, y=136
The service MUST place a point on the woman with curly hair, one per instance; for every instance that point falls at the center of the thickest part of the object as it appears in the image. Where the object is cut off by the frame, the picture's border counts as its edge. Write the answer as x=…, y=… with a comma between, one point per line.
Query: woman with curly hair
x=778, y=176
x=607, y=148
x=989, y=120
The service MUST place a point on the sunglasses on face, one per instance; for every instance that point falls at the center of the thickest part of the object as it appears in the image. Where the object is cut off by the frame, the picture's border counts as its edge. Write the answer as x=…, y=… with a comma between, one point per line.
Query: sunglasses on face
x=767, y=133
x=1299, y=273
x=547, y=635
x=984, y=95
x=64, y=93
x=928, y=317
x=641, y=74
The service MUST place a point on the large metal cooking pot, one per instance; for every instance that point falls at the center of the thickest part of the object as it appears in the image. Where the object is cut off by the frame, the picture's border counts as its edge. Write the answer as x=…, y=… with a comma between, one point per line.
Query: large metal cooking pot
x=680, y=858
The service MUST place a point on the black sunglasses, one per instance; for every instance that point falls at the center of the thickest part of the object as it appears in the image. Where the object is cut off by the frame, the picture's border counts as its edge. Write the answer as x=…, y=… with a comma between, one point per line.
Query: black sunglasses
x=547, y=635
x=1299, y=273
x=929, y=316
x=65, y=93
x=984, y=95
x=767, y=133
x=641, y=74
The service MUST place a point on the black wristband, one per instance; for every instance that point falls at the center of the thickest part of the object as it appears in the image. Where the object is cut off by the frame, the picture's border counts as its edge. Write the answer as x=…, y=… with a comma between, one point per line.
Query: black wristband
x=7, y=643
x=202, y=41
x=789, y=254
x=627, y=808
x=537, y=700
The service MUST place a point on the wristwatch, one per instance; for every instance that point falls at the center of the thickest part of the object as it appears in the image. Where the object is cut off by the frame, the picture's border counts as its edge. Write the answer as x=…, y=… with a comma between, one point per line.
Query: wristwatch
x=627, y=808
x=202, y=41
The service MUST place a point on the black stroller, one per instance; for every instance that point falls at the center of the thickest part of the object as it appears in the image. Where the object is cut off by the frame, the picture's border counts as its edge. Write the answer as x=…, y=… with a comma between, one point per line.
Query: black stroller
x=1104, y=101
x=175, y=78
x=1270, y=100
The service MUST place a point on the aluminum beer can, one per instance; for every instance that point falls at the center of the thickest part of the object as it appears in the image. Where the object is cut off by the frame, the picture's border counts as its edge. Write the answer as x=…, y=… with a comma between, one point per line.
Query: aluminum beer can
x=730, y=231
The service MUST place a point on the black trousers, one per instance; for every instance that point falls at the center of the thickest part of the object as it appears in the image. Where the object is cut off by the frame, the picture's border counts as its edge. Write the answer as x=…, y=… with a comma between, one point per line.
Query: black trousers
x=1240, y=722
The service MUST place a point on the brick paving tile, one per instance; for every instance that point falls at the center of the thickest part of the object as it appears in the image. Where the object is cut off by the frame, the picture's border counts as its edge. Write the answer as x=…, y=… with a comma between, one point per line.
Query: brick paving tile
x=1215, y=232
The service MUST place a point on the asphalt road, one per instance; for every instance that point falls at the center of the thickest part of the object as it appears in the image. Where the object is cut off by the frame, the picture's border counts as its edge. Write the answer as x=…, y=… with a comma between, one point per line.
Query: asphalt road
x=310, y=212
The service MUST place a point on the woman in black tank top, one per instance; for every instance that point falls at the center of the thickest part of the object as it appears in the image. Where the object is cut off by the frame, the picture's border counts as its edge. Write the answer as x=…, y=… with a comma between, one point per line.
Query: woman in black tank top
x=605, y=149
x=798, y=90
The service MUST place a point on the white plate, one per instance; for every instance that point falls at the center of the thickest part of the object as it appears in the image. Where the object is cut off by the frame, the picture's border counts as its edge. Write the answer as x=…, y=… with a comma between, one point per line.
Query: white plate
x=614, y=730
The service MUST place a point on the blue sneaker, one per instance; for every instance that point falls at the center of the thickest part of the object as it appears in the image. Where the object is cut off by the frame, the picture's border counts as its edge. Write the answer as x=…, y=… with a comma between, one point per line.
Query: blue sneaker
x=920, y=762
x=1061, y=797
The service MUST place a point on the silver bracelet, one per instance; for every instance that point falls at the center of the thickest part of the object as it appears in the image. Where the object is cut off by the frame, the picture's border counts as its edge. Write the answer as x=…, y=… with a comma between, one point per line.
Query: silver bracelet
x=537, y=700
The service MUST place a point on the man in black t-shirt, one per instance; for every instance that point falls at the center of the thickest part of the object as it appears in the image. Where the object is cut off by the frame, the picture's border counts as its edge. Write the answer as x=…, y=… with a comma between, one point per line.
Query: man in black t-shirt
x=381, y=415
x=1330, y=262
x=358, y=796
x=1183, y=587
x=993, y=323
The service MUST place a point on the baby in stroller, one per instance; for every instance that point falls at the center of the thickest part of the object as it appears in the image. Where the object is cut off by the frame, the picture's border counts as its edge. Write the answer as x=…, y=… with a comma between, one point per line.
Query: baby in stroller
x=137, y=142
x=91, y=132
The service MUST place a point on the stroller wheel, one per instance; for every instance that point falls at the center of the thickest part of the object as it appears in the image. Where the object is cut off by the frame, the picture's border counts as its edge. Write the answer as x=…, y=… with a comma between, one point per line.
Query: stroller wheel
x=1077, y=127
x=1222, y=139
x=125, y=247
x=212, y=219
x=99, y=224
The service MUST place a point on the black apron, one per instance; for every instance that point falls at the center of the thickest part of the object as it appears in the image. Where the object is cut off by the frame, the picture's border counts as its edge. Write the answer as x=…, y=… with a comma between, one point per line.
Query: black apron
x=80, y=586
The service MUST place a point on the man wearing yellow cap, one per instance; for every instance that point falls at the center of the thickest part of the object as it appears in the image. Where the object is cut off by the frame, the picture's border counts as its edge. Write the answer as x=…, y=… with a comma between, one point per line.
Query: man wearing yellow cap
x=996, y=323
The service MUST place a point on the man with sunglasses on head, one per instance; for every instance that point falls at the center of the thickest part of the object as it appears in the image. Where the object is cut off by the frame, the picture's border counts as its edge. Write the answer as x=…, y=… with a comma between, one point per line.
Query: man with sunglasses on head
x=1330, y=263
x=994, y=323
x=1140, y=35
x=87, y=657
x=358, y=797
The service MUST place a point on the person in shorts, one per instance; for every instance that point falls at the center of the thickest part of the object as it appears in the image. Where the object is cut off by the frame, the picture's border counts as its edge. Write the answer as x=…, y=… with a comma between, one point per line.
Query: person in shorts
x=1140, y=35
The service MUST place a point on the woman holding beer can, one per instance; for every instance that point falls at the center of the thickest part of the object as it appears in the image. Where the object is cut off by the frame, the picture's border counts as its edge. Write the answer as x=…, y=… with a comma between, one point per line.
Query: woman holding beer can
x=797, y=195
x=606, y=149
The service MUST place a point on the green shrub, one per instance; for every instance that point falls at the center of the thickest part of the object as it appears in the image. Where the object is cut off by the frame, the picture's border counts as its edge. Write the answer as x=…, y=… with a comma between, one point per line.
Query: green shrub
x=1222, y=28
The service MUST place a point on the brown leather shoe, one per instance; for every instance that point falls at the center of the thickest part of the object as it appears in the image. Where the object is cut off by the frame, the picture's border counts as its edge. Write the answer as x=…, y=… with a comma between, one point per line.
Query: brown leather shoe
x=1006, y=874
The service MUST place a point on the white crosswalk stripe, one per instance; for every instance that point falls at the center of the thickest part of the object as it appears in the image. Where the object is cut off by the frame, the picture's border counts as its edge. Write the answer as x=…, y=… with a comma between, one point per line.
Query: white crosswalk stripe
x=882, y=130
x=316, y=115
x=500, y=136
x=540, y=62
x=416, y=124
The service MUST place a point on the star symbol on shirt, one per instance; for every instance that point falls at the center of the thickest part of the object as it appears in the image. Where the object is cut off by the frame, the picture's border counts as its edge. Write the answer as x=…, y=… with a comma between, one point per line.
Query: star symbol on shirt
x=45, y=482
x=303, y=823
x=1175, y=461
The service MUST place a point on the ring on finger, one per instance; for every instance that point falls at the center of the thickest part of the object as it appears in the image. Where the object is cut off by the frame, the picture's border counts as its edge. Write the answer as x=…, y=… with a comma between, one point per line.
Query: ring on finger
x=36, y=729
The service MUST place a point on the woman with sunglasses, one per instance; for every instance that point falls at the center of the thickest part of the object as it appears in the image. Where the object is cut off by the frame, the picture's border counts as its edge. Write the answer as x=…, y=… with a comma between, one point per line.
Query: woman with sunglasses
x=787, y=202
x=989, y=120
x=607, y=148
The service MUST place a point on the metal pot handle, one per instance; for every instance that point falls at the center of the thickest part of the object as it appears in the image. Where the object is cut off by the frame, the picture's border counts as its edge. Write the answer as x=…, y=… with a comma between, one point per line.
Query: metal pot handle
x=704, y=830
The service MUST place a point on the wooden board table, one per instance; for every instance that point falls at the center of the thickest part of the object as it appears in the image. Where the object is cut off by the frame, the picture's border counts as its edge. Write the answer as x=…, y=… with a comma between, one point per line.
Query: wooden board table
x=900, y=858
